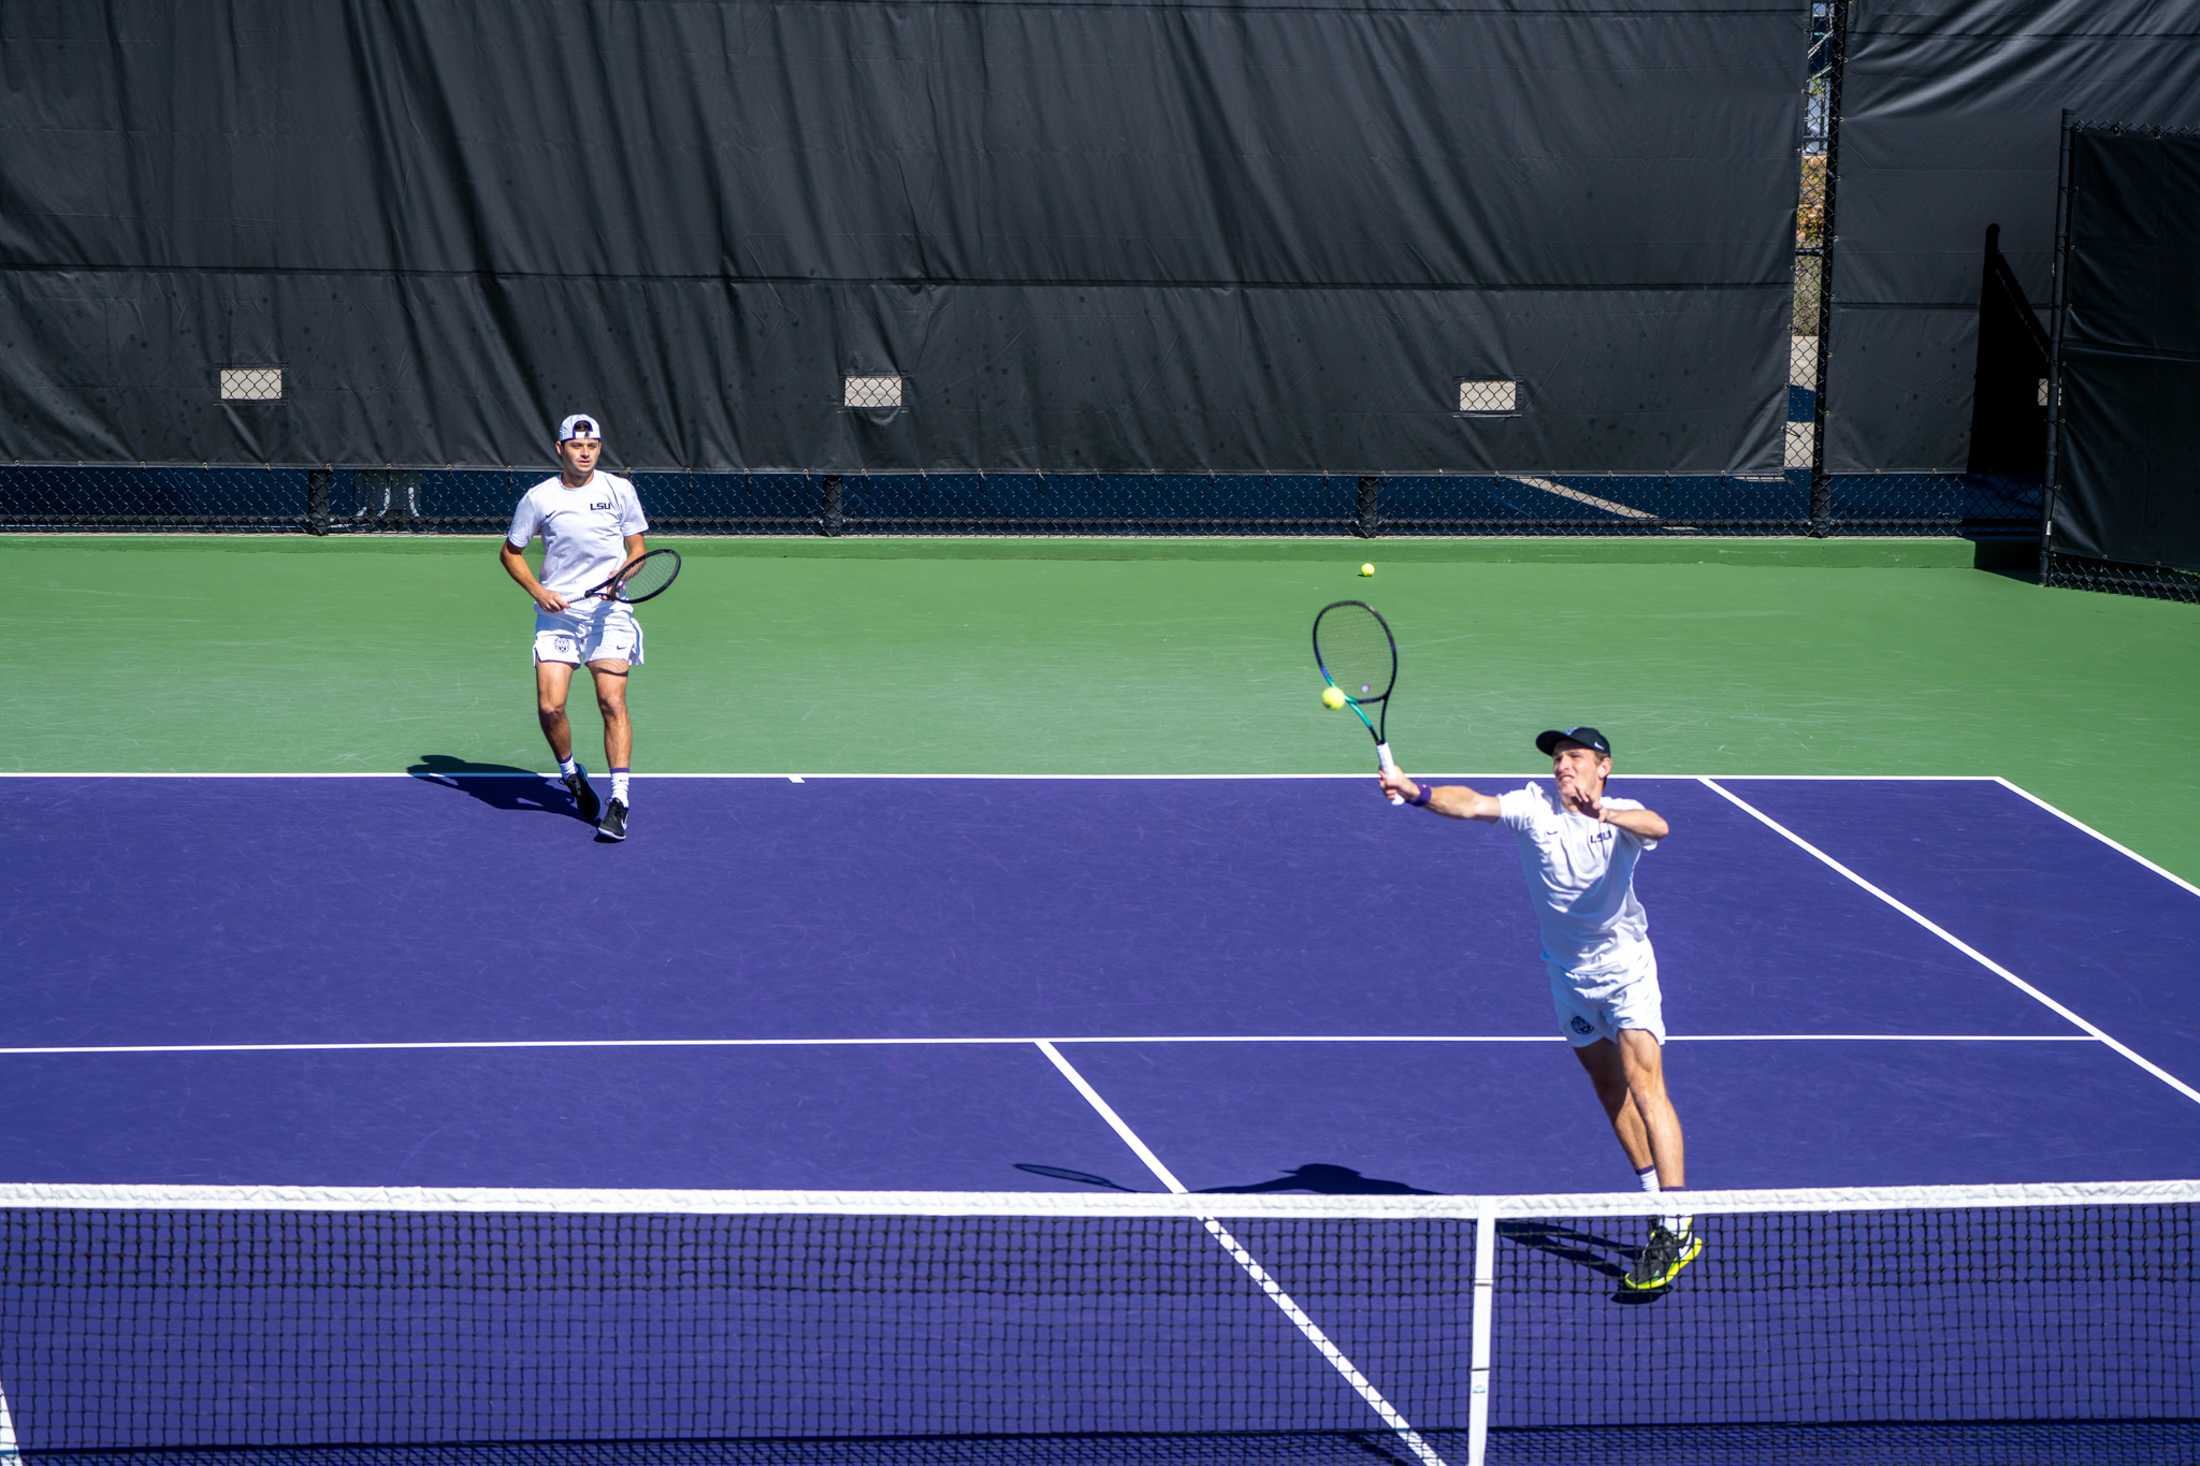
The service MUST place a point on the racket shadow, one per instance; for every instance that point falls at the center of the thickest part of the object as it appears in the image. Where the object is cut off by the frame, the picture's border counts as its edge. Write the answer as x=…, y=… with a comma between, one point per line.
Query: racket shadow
x=500, y=786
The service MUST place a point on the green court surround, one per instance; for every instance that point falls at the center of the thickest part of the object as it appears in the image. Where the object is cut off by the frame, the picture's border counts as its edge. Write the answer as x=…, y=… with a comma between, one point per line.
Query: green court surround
x=281, y=653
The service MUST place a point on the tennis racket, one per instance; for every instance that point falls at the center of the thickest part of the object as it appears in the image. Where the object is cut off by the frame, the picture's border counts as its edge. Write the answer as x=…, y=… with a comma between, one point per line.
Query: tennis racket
x=1357, y=656
x=641, y=578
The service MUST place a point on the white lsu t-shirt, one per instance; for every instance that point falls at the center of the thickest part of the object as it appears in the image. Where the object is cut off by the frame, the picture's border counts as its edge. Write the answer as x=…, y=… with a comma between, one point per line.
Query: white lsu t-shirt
x=583, y=530
x=1581, y=875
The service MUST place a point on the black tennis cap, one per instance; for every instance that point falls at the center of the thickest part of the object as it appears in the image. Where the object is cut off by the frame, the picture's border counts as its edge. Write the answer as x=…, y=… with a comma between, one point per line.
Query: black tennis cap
x=1547, y=743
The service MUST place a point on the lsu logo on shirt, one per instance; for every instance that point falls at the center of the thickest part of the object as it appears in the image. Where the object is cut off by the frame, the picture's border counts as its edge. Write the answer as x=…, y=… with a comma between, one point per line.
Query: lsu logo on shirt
x=605, y=505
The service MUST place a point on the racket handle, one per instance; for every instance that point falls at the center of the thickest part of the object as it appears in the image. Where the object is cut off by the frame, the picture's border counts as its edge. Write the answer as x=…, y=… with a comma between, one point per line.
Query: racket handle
x=1389, y=766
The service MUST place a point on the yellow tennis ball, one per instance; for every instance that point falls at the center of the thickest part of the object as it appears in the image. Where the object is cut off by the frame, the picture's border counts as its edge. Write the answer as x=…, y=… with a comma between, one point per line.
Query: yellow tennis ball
x=1367, y=569
x=1332, y=699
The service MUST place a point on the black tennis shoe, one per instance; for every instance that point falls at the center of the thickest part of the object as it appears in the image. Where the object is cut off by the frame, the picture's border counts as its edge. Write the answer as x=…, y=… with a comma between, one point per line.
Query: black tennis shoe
x=613, y=824
x=584, y=797
x=1662, y=1260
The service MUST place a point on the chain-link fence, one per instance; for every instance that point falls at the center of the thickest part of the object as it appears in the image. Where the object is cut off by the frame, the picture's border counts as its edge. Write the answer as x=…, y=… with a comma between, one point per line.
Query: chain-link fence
x=2160, y=582
x=361, y=500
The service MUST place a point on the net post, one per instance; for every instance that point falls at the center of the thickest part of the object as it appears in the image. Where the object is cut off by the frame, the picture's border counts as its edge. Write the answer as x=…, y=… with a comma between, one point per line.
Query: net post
x=830, y=518
x=1485, y=1294
x=318, y=484
x=1367, y=522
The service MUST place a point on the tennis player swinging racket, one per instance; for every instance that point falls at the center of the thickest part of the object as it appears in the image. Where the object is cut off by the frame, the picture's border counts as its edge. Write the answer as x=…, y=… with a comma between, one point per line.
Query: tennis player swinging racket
x=1358, y=657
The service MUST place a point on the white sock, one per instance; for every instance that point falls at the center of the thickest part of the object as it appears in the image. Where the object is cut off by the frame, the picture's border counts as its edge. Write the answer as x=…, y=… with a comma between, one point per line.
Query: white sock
x=1648, y=1176
x=619, y=779
x=1676, y=1222
x=567, y=768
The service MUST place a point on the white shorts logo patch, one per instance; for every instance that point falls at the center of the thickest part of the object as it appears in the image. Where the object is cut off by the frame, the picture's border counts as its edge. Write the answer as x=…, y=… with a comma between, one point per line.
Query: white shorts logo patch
x=588, y=634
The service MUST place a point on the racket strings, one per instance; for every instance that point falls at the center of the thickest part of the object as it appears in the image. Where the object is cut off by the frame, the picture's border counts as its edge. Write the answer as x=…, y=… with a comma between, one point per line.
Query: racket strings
x=649, y=575
x=1356, y=652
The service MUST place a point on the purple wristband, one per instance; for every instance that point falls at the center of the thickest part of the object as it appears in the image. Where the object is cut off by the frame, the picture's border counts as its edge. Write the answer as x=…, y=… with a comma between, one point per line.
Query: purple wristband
x=1420, y=800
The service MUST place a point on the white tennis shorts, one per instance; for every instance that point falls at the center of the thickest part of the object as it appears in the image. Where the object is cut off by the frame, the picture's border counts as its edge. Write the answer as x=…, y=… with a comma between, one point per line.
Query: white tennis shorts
x=1597, y=1006
x=588, y=631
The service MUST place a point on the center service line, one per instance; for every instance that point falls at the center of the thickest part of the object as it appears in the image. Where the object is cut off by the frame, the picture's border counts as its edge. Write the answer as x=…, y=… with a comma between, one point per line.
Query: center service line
x=1411, y=1438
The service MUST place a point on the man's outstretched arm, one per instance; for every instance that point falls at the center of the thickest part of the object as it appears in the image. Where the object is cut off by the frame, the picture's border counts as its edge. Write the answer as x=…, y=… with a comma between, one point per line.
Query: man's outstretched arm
x=1453, y=801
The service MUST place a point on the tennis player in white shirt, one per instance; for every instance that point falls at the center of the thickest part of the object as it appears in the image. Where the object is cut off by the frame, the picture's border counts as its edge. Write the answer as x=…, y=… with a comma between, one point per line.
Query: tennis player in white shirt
x=1579, y=848
x=591, y=525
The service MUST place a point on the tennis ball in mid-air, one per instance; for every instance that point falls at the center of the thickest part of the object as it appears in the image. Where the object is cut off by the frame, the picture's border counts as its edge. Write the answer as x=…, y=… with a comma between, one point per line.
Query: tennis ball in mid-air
x=1332, y=699
x=1368, y=568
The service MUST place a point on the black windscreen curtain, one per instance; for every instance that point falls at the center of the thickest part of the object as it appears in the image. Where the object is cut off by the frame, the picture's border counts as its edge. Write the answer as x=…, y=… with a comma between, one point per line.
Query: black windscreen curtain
x=1092, y=236
x=1950, y=124
x=2127, y=478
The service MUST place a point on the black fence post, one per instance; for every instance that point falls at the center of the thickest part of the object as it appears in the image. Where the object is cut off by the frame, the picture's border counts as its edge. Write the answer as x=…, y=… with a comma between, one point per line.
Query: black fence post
x=1367, y=522
x=830, y=518
x=1837, y=50
x=318, y=485
x=2058, y=302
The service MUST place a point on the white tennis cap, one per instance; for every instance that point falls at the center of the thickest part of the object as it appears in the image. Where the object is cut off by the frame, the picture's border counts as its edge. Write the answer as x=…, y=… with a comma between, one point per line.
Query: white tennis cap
x=579, y=425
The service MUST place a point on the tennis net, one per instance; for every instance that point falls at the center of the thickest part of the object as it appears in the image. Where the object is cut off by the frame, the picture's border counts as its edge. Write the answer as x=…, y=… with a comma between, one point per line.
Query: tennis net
x=323, y=1325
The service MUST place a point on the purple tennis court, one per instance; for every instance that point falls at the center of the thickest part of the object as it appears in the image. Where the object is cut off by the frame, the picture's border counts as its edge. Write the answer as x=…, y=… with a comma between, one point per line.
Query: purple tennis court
x=1066, y=988
x=837, y=983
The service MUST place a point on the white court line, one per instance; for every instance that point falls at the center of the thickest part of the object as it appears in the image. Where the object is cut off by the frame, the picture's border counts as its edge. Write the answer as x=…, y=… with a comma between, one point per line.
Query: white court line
x=7, y=1428
x=1268, y=1285
x=1619, y=774
x=1962, y=946
x=2121, y=849
x=1881, y=1038
x=1116, y=1122
x=874, y=1041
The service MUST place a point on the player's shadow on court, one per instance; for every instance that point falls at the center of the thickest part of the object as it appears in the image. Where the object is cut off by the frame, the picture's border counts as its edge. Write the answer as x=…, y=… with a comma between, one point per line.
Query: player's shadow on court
x=1319, y=1177
x=500, y=786
x=1323, y=1179
x=1596, y=1254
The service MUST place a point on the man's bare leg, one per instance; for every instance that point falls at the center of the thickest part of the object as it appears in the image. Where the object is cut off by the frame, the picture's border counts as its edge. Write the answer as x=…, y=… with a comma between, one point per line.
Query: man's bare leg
x=552, y=682
x=1608, y=1072
x=1645, y=1066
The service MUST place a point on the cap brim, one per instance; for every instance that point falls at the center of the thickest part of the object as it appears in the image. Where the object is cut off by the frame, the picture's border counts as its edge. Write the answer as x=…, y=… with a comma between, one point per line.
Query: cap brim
x=1547, y=742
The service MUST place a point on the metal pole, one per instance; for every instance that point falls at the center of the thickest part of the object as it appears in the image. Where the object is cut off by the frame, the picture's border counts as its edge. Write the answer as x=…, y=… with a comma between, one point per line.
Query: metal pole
x=2058, y=297
x=1837, y=51
x=318, y=481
